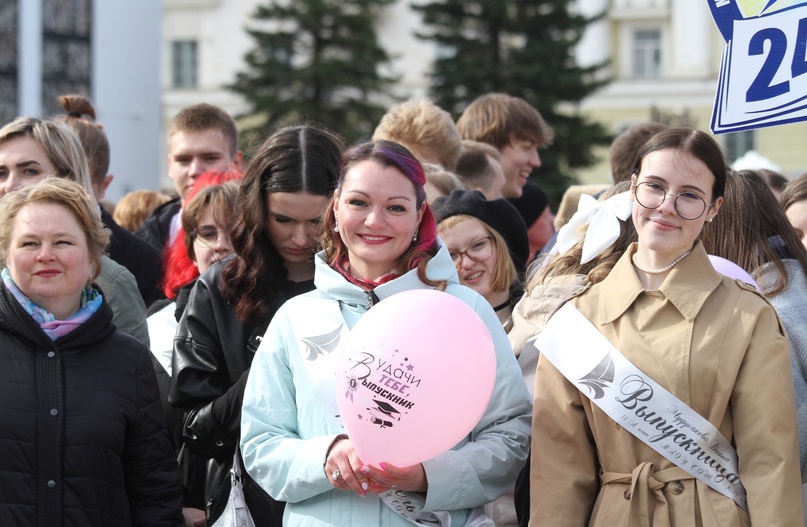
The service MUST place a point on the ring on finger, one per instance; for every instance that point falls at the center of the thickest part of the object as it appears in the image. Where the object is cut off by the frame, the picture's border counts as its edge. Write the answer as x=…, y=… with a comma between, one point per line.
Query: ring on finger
x=336, y=475
x=394, y=485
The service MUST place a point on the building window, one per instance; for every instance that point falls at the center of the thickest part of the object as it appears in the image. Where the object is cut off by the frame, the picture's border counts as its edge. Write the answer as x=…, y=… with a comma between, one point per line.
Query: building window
x=183, y=56
x=647, y=53
x=66, y=50
x=737, y=144
x=8, y=61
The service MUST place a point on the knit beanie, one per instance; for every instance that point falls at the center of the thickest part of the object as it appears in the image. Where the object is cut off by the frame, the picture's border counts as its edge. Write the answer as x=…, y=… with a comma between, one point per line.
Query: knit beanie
x=498, y=214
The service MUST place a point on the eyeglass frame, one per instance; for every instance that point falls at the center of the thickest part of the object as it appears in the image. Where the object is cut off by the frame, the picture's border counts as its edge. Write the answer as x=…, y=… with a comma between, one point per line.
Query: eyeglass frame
x=635, y=185
x=206, y=244
x=460, y=254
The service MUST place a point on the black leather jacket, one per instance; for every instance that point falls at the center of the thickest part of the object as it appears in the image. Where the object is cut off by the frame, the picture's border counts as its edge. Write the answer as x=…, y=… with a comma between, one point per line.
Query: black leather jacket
x=213, y=350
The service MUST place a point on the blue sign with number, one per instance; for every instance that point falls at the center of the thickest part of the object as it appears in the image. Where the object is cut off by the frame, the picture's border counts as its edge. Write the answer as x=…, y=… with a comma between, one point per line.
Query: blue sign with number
x=763, y=72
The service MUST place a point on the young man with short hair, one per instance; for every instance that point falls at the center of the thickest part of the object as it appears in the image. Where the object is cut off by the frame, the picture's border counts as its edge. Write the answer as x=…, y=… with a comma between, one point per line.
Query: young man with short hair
x=201, y=137
x=515, y=128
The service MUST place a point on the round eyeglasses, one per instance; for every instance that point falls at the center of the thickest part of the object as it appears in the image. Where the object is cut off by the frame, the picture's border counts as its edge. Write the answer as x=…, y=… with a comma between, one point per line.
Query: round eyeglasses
x=478, y=251
x=209, y=236
x=688, y=205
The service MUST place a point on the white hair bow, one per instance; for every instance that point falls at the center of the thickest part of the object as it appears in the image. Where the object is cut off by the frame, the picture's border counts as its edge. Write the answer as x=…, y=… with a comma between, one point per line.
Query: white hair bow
x=602, y=218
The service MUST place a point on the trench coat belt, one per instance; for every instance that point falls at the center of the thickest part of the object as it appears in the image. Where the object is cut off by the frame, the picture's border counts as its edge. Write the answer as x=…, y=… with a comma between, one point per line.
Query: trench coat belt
x=644, y=481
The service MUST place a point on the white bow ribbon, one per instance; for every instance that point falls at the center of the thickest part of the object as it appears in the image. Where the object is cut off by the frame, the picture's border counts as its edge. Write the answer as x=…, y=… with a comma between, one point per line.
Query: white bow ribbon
x=602, y=218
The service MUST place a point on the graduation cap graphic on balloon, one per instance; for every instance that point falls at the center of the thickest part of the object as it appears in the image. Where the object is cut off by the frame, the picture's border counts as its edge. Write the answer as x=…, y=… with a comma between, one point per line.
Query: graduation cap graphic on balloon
x=382, y=413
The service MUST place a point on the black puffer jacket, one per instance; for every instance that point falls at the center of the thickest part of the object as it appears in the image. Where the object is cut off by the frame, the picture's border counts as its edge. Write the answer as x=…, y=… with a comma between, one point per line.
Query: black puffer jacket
x=213, y=350
x=82, y=436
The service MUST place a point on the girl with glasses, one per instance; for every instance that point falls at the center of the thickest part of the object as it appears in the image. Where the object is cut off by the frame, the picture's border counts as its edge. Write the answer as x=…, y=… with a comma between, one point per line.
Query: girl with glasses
x=210, y=207
x=667, y=324
x=478, y=234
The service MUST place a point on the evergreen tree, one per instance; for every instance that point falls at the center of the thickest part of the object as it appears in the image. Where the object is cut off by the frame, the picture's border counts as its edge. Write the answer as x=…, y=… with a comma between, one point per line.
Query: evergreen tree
x=315, y=60
x=524, y=48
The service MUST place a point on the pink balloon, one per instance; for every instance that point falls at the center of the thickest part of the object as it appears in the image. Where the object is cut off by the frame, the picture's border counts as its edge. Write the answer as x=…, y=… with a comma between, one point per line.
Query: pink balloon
x=416, y=377
x=732, y=270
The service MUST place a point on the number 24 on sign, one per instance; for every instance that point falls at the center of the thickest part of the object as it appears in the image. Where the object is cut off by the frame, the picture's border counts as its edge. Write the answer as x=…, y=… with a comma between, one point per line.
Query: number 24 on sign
x=776, y=58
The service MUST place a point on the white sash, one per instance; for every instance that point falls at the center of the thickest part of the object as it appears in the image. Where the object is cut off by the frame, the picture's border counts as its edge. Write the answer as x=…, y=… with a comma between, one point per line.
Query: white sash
x=639, y=404
x=409, y=506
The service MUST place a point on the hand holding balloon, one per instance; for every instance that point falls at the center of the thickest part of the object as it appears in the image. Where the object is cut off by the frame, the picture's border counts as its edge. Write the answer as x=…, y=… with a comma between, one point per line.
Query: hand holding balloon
x=416, y=376
x=351, y=474
x=343, y=468
x=411, y=479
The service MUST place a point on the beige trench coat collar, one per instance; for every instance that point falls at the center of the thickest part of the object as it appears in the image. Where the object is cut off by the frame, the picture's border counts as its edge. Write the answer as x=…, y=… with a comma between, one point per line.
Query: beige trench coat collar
x=687, y=286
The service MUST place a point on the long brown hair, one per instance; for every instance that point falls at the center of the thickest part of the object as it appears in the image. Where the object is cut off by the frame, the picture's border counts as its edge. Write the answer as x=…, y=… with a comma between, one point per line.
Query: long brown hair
x=742, y=232
x=293, y=159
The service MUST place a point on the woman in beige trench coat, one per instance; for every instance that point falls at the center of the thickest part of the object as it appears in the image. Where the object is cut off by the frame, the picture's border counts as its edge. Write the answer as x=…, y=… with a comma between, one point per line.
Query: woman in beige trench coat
x=713, y=343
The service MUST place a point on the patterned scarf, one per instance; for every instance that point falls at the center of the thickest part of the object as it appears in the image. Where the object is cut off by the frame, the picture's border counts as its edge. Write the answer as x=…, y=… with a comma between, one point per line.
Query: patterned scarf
x=342, y=266
x=90, y=303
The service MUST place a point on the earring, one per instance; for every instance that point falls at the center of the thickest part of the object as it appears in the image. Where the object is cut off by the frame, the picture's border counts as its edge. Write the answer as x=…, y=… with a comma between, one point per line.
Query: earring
x=415, y=236
x=335, y=225
x=710, y=219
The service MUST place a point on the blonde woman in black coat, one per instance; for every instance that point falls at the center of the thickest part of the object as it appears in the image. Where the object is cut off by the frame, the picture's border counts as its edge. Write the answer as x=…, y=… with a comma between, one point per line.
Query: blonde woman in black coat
x=82, y=433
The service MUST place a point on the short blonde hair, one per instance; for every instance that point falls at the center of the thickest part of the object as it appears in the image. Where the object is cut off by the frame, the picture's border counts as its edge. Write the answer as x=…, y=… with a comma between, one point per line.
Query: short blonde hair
x=134, y=208
x=442, y=179
x=62, y=192
x=201, y=117
x=60, y=142
x=425, y=129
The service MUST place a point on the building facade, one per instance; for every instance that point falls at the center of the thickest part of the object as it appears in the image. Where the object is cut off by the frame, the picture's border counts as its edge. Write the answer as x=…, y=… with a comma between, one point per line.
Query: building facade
x=664, y=57
x=664, y=60
x=99, y=49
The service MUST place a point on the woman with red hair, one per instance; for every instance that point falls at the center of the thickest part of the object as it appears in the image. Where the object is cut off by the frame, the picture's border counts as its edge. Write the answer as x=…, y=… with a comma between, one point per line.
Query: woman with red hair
x=201, y=242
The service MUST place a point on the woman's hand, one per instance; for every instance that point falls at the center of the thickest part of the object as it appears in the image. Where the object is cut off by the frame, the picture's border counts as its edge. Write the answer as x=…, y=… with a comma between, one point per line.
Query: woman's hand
x=343, y=468
x=411, y=479
x=351, y=474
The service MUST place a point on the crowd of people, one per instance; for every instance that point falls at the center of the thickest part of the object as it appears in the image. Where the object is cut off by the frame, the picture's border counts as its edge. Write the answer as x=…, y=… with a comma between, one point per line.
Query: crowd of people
x=151, y=348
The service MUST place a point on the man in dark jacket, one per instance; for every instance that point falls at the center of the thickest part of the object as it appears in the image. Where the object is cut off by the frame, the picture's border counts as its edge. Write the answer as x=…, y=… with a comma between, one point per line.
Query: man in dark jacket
x=142, y=259
x=202, y=137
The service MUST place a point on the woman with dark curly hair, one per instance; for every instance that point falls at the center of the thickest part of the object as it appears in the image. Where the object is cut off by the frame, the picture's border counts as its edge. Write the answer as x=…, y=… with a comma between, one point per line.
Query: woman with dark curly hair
x=283, y=194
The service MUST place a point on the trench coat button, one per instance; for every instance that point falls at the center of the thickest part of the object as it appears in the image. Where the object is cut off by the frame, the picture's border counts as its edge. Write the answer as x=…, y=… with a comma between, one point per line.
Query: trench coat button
x=676, y=487
x=54, y=411
x=219, y=443
x=51, y=354
x=626, y=494
x=51, y=483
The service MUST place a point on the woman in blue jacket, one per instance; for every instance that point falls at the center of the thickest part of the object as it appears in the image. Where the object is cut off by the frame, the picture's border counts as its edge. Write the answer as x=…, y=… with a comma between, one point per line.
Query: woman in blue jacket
x=379, y=239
